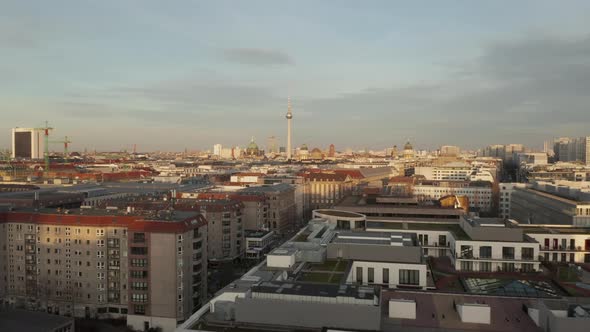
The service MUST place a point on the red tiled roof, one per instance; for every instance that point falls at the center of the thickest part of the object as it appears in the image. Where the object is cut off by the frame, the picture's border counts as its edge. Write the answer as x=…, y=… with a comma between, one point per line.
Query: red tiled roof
x=326, y=177
x=133, y=223
x=353, y=173
x=401, y=179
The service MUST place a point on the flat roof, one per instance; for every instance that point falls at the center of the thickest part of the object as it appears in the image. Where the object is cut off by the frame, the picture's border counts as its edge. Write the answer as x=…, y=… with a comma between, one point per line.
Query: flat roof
x=256, y=233
x=321, y=290
x=268, y=188
x=15, y=320
x=554, y=196
x=374, y=238
x=454, y=228
x=339, y=213
x=283, y=251
x=435, y=311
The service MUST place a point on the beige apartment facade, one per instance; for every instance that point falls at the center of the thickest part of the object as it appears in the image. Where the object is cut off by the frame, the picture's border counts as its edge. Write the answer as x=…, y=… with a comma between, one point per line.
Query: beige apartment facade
x=101, y=264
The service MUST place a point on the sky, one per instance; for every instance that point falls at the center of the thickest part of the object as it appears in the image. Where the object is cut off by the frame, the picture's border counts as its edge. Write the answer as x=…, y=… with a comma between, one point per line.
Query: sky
x=176, y=75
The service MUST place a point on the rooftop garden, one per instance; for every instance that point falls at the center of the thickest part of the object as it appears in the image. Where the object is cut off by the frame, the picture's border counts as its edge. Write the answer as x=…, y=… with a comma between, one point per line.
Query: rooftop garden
x=330, y=271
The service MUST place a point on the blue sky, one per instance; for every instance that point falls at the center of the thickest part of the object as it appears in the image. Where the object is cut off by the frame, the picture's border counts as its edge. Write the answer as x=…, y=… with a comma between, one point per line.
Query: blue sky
x=187, y=74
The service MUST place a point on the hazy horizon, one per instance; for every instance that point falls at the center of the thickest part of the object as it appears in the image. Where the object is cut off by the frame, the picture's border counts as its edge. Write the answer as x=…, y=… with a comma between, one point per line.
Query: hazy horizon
x=189, y=74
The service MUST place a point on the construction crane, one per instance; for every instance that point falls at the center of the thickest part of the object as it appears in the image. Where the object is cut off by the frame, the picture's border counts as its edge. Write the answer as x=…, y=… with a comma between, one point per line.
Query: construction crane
x=65, y=142
x=46, y=130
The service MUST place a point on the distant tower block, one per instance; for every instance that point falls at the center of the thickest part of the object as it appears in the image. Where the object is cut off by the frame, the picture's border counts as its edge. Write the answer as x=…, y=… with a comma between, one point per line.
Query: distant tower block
x=289, y=117
x=331, y=151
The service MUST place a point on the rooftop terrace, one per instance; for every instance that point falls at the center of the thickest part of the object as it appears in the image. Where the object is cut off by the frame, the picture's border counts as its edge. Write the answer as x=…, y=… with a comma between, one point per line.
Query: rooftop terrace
x=457, y=231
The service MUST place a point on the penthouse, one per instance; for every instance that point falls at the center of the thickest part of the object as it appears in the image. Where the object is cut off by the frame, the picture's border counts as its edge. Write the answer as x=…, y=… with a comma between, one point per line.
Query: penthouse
x=386, y=207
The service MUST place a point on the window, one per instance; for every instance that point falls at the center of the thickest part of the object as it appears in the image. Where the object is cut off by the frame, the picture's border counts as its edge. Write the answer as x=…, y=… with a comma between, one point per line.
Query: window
x=139, y=274
x=139, y=250
x=371, y=275
x=139, y=262
x=442, y=240
x=197, y=245
x=485, y=252
x=138, y=237
x=139, y=309
x=466, y=252
x=385, y=276
x=100, y=265
x=507, y=252
x=139, y=285
x=527, y=267
x=100, y=243
x=485, y=266
x=527, y=253
x=359, y=274
x=140, y=298
x=409, y=277
x=100, y=232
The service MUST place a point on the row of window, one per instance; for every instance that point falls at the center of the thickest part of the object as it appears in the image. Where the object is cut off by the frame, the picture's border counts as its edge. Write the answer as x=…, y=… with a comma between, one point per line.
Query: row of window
x=406, y=277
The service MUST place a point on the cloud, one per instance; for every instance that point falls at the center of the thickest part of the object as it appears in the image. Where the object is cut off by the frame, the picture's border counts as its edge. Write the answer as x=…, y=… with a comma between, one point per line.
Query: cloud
x=523, y=90
x=19, y=35
x=257, y=56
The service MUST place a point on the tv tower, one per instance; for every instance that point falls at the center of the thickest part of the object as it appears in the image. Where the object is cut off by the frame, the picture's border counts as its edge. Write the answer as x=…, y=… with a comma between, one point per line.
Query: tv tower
x=289, y=117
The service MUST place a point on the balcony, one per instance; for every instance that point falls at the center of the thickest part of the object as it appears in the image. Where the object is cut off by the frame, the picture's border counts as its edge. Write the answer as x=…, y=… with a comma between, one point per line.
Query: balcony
x=487, y=258
x=566, y=248
x=436, y=245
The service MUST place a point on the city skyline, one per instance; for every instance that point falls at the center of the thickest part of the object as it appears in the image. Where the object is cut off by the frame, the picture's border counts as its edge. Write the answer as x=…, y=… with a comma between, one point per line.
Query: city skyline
x=196, y=74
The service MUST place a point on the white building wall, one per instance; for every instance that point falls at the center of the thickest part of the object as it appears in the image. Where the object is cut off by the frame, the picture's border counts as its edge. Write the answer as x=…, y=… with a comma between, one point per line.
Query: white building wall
x=506, y=190
x=400, y=308
x=479, y=197
x=474, y=313
x=393, y=272
x=496, y=259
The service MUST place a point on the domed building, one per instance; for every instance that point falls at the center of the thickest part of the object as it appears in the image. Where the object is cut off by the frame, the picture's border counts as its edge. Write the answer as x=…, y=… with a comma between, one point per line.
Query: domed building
x=316, y=154
x=252, y=150
x=303, y=152
x=408, y=151
x=394, y=152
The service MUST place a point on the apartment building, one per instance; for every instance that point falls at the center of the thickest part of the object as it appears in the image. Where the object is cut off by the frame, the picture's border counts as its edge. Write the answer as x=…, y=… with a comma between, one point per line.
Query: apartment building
x=255, y=205
x=149, y=267
x=574, y=149
x=281, y=206
x=225, y=230
x=389, y=259
x=535, y=205
x=494, y=245
x=450, y=171
x=327, y=188
x=561, y=244
x=224, y=216
x=480, y=193
x=506, y=190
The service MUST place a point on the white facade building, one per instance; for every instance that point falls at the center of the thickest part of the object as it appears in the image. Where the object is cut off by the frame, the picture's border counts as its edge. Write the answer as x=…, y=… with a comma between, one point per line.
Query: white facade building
x=479, y=195
x=28, y=143
x=217, y=149
x=506, y=190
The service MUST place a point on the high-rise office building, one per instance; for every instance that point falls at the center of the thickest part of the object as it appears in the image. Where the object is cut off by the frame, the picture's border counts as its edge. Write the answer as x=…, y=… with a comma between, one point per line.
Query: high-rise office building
x=272, y=145
x=572, y=149
x=27, y=143
x=217, y=148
